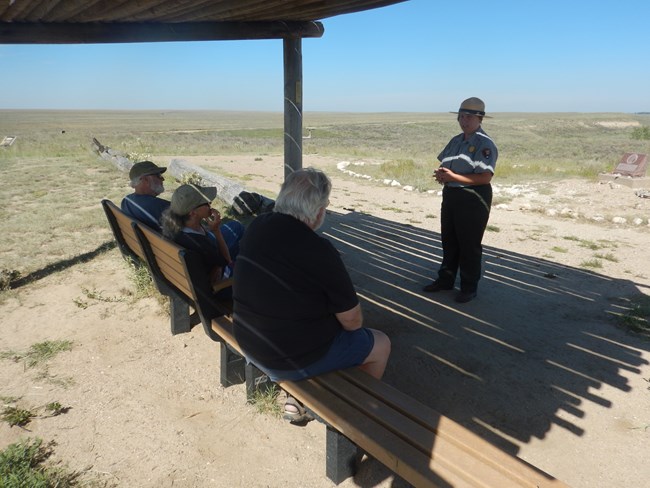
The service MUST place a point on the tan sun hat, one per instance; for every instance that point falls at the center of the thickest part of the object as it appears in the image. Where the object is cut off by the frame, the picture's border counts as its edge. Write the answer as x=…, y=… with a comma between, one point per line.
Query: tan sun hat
x=187, y=197
x=472, y=106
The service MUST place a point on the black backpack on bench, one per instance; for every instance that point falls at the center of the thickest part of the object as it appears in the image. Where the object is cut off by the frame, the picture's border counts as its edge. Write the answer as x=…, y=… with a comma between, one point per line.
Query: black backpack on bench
x=247, y=203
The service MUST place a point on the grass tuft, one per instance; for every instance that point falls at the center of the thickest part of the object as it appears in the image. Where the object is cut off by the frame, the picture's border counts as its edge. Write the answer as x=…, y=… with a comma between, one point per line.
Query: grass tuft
x=191, y=178
x=38, y=353
x=141, y=279
x=7, y=276
x=265, y=401
x=641, y=133
x=17, y=416
x=607, y=257
x=23, y=465
x=9, y=399
x=592, y=263
x=637, y=317
x=42, y=352
x=55, y=408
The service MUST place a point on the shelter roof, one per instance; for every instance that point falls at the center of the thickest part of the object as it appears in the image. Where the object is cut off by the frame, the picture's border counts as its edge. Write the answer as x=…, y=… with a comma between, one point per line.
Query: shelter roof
x=99, y=21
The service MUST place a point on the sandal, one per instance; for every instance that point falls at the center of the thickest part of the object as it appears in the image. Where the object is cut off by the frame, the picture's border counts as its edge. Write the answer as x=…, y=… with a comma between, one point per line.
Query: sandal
x=296, y=413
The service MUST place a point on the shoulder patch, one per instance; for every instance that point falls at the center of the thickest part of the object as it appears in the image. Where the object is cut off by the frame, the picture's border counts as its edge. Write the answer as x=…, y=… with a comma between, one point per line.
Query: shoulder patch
x=486, y=153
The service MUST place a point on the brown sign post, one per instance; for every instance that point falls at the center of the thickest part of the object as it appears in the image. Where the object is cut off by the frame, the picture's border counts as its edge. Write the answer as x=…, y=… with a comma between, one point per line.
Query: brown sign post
x=632, y=164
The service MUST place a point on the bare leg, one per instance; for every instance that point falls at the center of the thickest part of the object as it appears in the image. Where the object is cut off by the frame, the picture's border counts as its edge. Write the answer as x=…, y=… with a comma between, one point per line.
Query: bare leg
x=375, y=363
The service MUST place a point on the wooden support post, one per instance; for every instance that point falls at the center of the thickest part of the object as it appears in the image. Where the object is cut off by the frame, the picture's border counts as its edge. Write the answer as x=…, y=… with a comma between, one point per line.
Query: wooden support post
x=292, y=105
x=342, y=456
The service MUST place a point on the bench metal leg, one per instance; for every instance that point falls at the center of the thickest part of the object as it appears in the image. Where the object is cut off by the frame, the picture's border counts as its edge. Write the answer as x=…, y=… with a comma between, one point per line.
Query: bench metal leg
x=180, y=314
x=341, y=456
x=256, y=380
x=232, y=370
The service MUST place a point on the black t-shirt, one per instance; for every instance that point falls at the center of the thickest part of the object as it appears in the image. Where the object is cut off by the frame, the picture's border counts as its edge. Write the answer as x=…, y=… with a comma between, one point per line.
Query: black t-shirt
x=289, y=284
x=203, y=244
x=203, y=256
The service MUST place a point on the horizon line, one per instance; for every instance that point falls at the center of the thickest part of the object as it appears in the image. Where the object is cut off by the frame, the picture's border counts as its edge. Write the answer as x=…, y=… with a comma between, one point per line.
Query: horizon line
x=306, y=111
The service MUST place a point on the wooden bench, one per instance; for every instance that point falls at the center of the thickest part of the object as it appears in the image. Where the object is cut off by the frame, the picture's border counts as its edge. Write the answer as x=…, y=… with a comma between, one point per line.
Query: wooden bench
x=172, y=264
x=362, y=415
x=123, y=227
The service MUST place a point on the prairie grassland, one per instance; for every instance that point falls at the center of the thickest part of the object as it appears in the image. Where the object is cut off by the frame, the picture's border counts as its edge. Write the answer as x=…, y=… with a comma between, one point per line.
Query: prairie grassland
x=53, y=182
x=544, y=145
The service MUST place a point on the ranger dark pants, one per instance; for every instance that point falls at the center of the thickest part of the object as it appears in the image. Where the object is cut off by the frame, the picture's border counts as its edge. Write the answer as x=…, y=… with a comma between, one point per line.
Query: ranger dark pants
x=464, y=216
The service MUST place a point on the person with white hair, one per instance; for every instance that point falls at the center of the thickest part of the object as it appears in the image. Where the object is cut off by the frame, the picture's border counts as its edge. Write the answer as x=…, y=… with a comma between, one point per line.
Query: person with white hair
x=296, y=313
x=467, y=165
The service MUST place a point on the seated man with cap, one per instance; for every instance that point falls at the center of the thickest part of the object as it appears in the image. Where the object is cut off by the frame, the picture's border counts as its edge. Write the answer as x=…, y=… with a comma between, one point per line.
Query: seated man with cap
x=143, y=204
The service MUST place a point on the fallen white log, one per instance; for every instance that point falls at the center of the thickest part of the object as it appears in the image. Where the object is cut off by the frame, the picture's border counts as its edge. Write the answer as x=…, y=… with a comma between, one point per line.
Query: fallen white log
x=227, y=189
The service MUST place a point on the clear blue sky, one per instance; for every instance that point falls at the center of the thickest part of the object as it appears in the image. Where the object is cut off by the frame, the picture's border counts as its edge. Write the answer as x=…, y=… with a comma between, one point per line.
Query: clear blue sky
x=420, y=55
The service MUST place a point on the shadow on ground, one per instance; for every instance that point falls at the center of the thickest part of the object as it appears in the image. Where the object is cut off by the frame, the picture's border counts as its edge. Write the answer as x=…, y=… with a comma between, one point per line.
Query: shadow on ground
x=537, y=343
x=60, y=265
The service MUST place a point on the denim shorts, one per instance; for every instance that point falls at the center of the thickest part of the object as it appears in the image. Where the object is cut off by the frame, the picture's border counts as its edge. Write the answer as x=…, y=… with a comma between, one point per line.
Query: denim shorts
x=349, y=349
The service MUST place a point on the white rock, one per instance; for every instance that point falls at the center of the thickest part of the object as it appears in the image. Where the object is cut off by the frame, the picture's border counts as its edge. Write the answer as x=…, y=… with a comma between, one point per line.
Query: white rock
x=598, y=218
x=502, y=206
x=619, y=220
x=637, y=221
x=566, y=211
x=386, y=182
x=551, y=212
x=407, y=188
x=395, y=183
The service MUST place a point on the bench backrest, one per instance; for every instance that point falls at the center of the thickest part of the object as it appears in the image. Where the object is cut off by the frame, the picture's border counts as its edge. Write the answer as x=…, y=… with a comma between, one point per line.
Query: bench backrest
x=162, y=257
x=121, y=225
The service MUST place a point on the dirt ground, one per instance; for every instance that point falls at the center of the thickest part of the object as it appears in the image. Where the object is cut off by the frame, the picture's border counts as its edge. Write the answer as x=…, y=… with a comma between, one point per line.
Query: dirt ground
x=537, y=364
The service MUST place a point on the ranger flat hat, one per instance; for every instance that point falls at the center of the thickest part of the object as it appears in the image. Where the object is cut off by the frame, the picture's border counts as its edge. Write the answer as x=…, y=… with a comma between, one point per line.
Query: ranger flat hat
x=472, y=106
x=145, y=168
x=187, y=197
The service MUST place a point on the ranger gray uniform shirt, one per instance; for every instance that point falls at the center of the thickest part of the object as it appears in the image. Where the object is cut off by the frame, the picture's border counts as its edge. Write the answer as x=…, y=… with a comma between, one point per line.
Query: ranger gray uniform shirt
x=478, y=154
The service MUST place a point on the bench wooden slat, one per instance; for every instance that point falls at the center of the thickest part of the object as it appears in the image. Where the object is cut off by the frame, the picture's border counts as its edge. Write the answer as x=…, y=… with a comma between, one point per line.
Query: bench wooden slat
x=124, y=233
x=223, y=326
x=171, y=271
x=453, y=435
x=168, y=260
x=472, y=459
x=390, y=449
